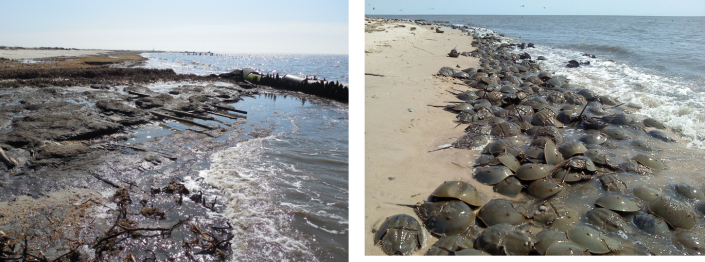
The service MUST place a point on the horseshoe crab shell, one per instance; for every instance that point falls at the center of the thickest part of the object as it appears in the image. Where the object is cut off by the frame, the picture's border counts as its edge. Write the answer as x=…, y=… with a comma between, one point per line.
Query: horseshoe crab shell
x=459, y=190
x=643, y=145
x=566, y=248
x=474, y=255
x=501, y=211
x=446, y=218
x=661, y=136
x=693, y=242
x=646, y=193
x=650, y=162
x=593, y=139
x=650, y=122
x=676, y=213
x=547, y=238
x=510, y=161
x=530, y=172
x=551, y=153
x=593, y=240
x=572, y=148
x=650, y=224
x=492, y=238
x=492, y=175
x=544, y=188
x=691, y=192
x=617, y=202
x=608, y=220
x=510, y=187
x=400, y=235
x=449, y=245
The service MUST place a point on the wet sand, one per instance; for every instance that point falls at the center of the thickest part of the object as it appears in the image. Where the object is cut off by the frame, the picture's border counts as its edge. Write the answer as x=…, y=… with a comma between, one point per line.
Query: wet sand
x=401, y=128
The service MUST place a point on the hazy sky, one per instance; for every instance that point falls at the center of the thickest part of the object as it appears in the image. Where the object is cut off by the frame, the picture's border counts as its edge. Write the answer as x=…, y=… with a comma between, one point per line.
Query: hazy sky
x=538, y=7
x=278, y=26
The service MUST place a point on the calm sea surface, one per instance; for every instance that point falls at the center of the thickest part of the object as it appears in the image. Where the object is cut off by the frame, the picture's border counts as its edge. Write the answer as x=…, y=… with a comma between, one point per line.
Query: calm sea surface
x=286, y=193
x=655, y=62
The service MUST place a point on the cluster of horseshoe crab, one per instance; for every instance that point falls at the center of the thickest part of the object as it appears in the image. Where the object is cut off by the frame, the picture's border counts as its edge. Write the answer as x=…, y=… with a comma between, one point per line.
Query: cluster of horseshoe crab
x=569, y=151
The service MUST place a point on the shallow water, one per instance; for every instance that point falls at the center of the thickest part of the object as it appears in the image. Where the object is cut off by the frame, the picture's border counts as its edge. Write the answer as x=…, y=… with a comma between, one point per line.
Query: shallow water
x=284, y=187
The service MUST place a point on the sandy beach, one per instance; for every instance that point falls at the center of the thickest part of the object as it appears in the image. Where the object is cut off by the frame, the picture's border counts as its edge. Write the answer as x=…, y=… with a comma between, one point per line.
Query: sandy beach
x=45, y=53
x=401, y=128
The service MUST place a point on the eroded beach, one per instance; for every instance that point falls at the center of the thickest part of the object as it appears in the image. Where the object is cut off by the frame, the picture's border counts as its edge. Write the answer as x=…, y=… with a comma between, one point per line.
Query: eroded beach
x=104, y=160
x=557, y=160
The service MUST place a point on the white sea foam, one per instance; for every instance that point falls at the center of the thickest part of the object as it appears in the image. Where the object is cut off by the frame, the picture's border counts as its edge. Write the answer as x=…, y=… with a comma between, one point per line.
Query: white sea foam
x=262, y=227
x=675, y=102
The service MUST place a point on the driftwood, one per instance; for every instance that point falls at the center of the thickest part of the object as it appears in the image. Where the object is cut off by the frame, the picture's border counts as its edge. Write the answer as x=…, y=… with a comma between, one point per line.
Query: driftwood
x=230, y=109
x=103, y=179
x=228, y=115
x=10, y=162
x=182, y=120
x=189, y=114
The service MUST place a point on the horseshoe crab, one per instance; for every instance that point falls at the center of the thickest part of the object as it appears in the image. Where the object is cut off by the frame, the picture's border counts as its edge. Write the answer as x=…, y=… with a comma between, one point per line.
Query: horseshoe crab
x=618, y=119
x=400, y=235
x=518, y=244
x=676, y=213
x=547, y=238
x=650, y=122
x=555, y=214
x=545, y=118
x=474, y=255
x=445, y=218
x=593, y=240
x=691, y=192
x=505, y=129
x=661, y=136
x=599, y=157
x=510, y=161
x=650, y=162
x=572, y=148
x=651, y=224
x=693, y=242
x=615, y=132
x=467, y=96
x=593, y=139
x=544, y=188
x=510, y=187
x=610, y=182
x=530, y=172
x=449, y=245
x=458, y=190
x=492, y=238
x=492, y=175
x=646, y=193
x=618, y=202
x=501, y=211
x=573, y=169
x=566, y=248
x=501, y=146
x=551, y=153
x=470, y=140
x=608, y=220
x=643, y=145
x=551, y=132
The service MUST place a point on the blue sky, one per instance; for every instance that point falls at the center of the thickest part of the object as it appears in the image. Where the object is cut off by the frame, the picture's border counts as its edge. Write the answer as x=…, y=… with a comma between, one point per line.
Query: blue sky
x=299, y=27
x=537, y=7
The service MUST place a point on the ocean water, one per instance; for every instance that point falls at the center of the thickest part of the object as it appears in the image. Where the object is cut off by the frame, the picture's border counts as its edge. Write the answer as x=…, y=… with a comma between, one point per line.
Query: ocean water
x=330, y=67
x=285, y=192
x=657, y=63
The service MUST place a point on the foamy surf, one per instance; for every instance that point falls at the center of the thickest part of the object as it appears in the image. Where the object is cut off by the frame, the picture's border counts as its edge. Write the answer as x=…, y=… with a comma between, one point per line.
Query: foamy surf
x=675, y=102
x=262, y=228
